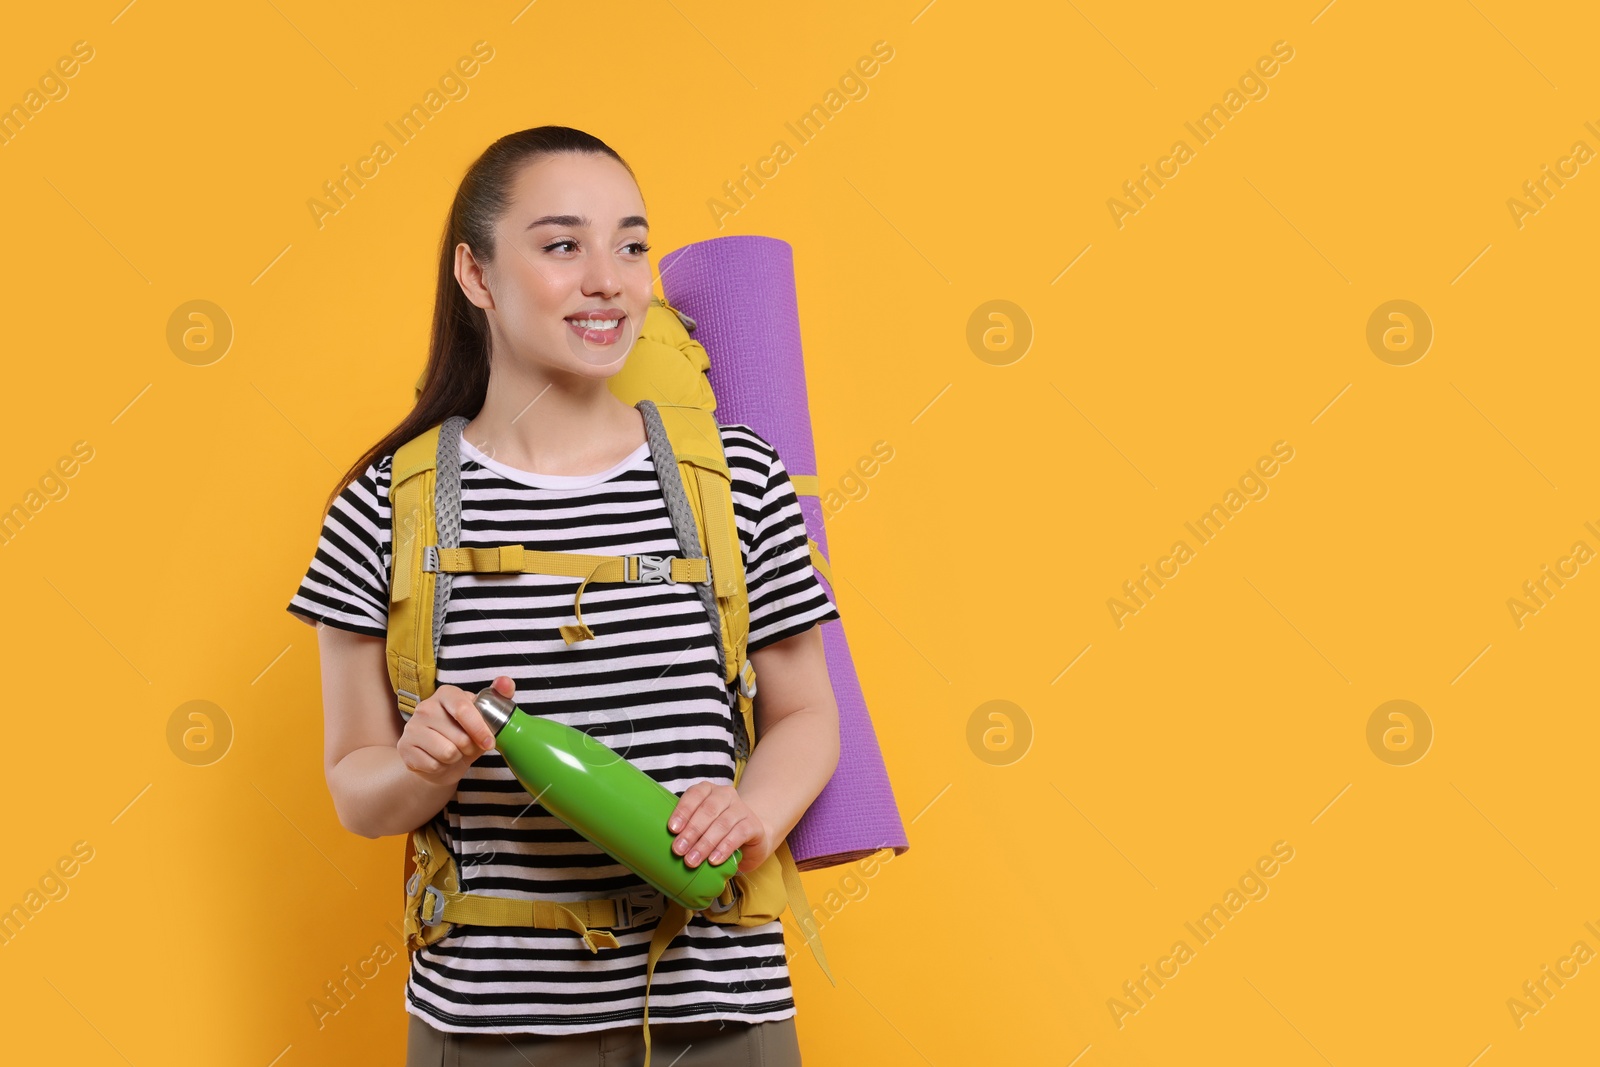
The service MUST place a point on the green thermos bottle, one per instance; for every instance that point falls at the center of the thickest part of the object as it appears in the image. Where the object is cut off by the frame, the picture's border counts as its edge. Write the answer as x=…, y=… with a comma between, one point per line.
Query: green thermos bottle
x=610, y=802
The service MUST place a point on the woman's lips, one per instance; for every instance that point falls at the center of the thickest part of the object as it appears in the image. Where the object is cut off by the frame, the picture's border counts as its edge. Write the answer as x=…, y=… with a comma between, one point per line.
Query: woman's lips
x=598, y=337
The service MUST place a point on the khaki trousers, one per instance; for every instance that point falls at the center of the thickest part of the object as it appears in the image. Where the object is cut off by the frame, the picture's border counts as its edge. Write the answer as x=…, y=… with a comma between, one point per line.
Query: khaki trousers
x=714, y=1043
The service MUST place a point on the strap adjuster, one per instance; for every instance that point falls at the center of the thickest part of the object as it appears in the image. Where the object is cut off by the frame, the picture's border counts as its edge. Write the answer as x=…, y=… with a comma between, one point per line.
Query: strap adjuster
x=434, y=893
x=638, y=906
x=650, y=569
x=717, y=908
x=430, y=558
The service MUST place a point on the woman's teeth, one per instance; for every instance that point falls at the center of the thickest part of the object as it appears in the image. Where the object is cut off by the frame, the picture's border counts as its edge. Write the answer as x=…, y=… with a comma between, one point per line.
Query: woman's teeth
x=596, y=324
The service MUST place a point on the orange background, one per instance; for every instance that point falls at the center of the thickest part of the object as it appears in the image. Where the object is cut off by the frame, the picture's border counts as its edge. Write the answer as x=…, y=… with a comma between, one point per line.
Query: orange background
x=1137, y=772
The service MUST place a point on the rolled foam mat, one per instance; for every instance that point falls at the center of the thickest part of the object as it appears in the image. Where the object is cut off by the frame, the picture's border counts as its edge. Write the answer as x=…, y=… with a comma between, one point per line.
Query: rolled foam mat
x=740, y=291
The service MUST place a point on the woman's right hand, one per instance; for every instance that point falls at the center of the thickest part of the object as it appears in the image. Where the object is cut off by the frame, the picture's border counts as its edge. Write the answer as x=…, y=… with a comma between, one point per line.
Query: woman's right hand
x=447, y=733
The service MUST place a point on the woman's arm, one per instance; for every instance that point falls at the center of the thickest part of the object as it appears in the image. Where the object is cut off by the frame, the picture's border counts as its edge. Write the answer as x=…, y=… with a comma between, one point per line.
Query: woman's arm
x=374, y=793
x=797, y=733
x=794, y=705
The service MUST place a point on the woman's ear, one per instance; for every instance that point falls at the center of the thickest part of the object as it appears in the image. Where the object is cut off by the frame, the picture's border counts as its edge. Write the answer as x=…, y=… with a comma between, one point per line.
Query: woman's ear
x=473, y=278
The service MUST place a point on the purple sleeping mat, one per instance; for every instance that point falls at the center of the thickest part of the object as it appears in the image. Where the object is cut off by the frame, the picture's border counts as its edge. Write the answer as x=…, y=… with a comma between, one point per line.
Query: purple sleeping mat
x=740, y=292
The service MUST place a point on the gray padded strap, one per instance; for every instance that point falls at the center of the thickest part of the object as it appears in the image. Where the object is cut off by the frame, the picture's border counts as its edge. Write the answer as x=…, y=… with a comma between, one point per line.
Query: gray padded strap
x=682, y=515
x=447, y=520
x=446, y=514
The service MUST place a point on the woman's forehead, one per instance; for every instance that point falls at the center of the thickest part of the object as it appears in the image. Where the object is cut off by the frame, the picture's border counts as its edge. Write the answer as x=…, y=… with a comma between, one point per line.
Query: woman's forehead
x=592, y=187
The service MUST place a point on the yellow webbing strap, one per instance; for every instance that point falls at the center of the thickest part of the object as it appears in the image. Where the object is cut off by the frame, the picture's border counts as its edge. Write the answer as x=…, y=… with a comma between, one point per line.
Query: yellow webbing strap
x=501, y=559
x=515, y=559
x=809, y=485
x=801, y=906
x=819, y=562
x=577, y=915
x=677, y=918
x=580, y=632
x=672, y=923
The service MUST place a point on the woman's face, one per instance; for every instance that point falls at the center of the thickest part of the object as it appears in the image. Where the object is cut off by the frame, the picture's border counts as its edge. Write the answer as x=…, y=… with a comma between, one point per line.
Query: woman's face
x=570, y=282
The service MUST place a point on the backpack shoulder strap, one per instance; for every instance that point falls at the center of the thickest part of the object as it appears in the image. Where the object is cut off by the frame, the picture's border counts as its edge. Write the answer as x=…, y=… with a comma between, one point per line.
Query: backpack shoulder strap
x=686, y=446
x=424, y=511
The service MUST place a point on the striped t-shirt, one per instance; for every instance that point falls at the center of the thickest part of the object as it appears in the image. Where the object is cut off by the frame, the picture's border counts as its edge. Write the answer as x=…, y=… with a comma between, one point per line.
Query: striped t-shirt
x=646, y=684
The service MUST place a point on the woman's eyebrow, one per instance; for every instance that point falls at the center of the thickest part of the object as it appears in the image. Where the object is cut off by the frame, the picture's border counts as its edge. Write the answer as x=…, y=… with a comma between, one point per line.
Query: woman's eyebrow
x=580, y=221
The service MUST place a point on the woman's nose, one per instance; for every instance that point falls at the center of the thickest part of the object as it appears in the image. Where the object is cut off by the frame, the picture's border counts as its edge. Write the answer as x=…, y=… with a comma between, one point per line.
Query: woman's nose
x=601, y=276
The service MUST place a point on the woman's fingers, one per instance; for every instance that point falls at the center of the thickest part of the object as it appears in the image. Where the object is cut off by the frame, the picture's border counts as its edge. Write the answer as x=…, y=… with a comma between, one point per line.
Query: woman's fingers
x=742, y=833
x=465, y=712
x=446, y=730
x=418, y=761
x=444, y=725
x=422, y=751
x=697, y=836
x=444, y=749
x=687, y=804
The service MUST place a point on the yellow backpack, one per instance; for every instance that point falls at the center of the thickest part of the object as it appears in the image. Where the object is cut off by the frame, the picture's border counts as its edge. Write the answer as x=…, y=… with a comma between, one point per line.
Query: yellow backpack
x=665, y=378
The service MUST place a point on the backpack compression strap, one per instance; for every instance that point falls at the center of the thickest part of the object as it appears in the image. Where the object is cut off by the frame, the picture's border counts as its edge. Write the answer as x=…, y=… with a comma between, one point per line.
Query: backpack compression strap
x=808, y=485
x=500, y=559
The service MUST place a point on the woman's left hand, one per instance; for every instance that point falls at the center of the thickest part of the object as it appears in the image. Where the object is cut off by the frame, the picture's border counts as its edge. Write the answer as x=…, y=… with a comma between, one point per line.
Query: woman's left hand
x=713, y=820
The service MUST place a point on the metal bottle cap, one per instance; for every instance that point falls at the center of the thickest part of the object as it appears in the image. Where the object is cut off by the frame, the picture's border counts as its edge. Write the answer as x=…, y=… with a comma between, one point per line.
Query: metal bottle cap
x=495, y=709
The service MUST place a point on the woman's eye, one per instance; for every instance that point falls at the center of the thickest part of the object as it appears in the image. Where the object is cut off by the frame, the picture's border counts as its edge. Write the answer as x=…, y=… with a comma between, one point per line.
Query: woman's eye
x=639, y=247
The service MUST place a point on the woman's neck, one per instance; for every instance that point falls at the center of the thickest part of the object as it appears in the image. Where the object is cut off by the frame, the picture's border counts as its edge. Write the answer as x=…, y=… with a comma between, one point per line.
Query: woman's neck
x=568, y=429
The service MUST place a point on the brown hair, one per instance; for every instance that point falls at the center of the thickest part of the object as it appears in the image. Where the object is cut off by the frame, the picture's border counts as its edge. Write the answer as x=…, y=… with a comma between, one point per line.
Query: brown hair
x=456, y=380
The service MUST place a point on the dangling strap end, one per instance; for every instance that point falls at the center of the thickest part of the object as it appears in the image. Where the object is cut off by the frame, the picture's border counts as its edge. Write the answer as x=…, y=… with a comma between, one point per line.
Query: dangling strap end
x=580, y=632
x=573, y=634
x=595, y=940
x=801, y=907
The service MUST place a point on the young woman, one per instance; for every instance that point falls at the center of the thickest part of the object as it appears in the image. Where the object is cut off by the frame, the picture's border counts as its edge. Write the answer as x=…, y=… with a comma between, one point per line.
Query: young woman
x=543, y=283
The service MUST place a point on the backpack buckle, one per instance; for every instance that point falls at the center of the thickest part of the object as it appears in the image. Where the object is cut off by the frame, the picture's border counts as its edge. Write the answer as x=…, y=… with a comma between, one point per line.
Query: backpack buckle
x=638, y=906
x=651, y=569
x=432, y=892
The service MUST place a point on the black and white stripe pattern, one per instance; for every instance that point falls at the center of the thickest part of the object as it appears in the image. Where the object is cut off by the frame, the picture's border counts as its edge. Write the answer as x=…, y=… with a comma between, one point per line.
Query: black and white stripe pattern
x=647, y=685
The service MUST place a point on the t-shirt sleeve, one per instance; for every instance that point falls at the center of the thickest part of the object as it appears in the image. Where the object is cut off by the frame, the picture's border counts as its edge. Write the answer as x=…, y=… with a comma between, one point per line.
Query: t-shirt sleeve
x=786, y=596
x=347, y=583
